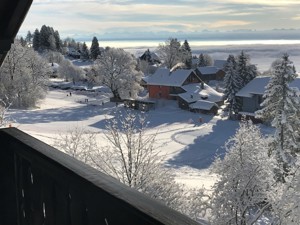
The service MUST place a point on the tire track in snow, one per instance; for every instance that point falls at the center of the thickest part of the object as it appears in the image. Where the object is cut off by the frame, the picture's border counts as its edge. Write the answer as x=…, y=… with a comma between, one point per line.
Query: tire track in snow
x=175, y=138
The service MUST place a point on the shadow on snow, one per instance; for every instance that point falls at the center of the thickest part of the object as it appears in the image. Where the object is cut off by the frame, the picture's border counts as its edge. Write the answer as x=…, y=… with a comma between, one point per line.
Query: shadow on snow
x=201, y=154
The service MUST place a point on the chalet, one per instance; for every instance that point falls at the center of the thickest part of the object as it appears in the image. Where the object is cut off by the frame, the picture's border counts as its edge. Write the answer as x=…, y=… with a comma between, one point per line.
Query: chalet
x=72, y=52
x=167, y=85
x=150, y=57
x=200, y=98
x=208, y=73
x=252, y=94
x=220, y=64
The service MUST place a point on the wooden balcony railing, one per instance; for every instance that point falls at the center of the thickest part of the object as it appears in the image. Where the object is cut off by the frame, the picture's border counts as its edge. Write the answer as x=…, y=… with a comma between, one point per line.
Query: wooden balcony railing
x=43, y=186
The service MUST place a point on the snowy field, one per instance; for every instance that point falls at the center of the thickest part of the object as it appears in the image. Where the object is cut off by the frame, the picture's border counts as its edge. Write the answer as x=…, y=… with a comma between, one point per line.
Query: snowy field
x=189, y=146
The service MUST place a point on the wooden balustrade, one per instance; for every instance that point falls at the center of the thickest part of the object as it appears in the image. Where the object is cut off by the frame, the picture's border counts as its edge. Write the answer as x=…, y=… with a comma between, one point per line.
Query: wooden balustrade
x=43, y=186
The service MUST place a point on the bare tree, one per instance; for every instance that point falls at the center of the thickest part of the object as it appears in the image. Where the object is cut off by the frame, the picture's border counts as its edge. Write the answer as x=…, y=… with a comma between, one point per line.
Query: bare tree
x=3, y=113
x=117, y=70
x=77, y=142
x=131, y=157
x=69, y=71
x=170, y=52
x=23, y=77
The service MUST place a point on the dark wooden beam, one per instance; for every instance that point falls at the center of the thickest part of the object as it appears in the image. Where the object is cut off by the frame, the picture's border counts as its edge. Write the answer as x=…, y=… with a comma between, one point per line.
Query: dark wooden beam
x=12, y=15
x=71, y=190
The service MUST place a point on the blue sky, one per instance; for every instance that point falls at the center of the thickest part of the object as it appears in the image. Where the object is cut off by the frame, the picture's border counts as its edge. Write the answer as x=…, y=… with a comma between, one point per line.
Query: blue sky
x=133, y=18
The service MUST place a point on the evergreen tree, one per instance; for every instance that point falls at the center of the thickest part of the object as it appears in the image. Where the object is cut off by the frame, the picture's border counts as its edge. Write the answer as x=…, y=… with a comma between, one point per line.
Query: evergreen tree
x=244, y=191
x=281, y=106
x=95, y=51
x=186, y=54
x=29, y=37
x=58, y=41
x=246, y=70
x=45, y=33
x=201, y=62
x=204, y=60
x=52, y=43
x=23, y=41
x=36, y=40
x=232, y=82
x=84, y=52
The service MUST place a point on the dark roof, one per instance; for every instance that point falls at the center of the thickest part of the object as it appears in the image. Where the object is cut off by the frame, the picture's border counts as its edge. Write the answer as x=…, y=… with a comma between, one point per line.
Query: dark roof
x=12, y=14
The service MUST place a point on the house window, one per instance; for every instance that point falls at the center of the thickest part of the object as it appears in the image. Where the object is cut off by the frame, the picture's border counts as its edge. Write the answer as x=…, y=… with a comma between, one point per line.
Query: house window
x=159, y=94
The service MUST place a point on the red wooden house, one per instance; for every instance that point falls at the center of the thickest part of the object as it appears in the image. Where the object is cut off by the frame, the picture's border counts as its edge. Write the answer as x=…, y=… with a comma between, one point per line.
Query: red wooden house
x=167, y=85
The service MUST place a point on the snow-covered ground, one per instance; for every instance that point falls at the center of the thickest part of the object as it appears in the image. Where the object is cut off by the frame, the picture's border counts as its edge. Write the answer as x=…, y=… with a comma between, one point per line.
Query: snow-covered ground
x=189, y=146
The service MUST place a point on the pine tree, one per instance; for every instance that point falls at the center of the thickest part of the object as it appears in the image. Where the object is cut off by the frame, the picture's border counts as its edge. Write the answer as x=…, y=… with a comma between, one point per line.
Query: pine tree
x=246, y=70
x=232, y=82
x=201, y=62
x=23, y=41
x=52, y=43
x=36, y=40
x=84, y=52
x=281, y=106
x=58, y=41
x=95, y=51
x=204, y=60
x=45, y=33
x=244, y=190
x=186, y=54
x=29, y=37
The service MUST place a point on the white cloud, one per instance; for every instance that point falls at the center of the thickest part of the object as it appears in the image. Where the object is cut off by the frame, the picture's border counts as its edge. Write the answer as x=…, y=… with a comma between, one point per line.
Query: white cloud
x=182, y=15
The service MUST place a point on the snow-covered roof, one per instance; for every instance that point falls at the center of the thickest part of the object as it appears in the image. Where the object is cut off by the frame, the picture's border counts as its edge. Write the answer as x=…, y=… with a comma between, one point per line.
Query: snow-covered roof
x=154, y=56
x=164, y=77
x=258, y=85
x=219, y=63
x=204, y=105
x=205, y=70
x=194, y=92
x=73, y=51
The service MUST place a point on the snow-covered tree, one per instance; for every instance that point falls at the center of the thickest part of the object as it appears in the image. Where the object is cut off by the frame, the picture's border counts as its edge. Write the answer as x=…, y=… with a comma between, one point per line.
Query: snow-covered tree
x=36, y=40
x=53, y=56
x=116, y=69
x=186, y=54
x=52, y=43
x=132, y=158
x=69, y=71
x=29, y=37
x=243, y=192
x=232, y=83
x=4, y=106
x=95, y=50
x=288, y=207
x=22, y=41
x=170, y=52
x=23, y=77
x=281, y=107
x=58, y=41
x=205, y=60
x=85, y=55
x=78, y=143
x=246, y=71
